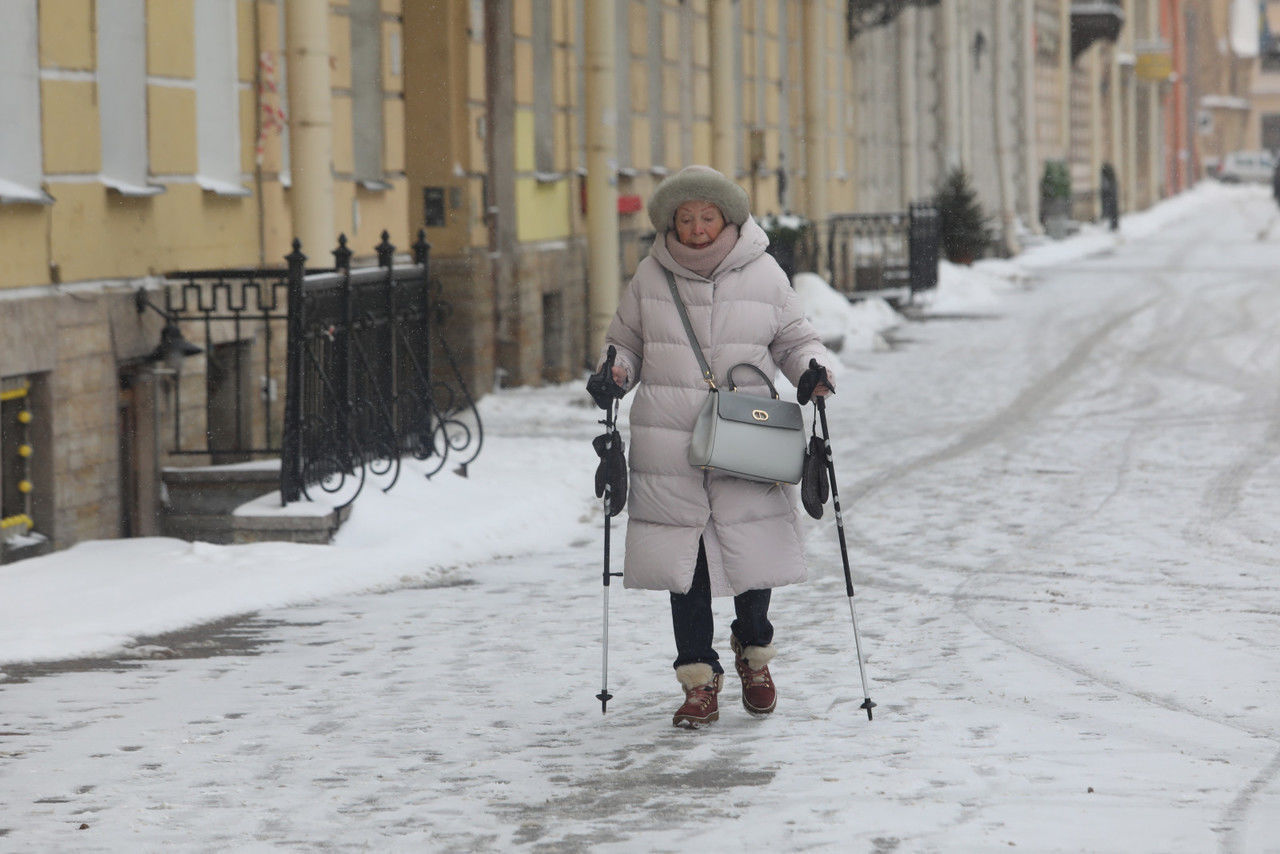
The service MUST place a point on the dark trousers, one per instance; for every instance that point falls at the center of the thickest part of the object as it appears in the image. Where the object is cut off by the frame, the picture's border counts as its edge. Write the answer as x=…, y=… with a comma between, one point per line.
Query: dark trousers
x=695, y=628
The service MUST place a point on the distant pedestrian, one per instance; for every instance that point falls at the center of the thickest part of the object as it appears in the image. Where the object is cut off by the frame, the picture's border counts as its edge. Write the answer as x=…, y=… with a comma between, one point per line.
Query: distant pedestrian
x=1110, y=195
x=697, y=533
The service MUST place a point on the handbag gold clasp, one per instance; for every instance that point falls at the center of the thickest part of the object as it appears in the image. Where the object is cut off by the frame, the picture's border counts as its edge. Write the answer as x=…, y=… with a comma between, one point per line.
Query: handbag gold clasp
x=759, y=415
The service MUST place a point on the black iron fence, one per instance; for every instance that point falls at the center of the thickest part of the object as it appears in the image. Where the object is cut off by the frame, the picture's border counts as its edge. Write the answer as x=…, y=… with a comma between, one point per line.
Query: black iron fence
x=368, y=377
x=884, y=251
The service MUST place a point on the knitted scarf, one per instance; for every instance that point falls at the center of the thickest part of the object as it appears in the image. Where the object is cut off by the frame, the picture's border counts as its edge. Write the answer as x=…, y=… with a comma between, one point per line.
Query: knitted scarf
x=703, y=261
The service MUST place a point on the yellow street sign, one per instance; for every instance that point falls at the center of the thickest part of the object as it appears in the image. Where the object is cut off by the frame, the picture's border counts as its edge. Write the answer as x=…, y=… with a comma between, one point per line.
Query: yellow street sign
x=1154, y=66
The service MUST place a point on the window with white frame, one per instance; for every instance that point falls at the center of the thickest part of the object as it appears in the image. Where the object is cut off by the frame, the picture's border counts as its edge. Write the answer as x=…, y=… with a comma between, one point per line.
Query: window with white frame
x=21, y=163
x=622, y=82
x=122, y=95
x=657, y=116
x=544, y=131
x=281, y=68
x=217, y=99
x=366, y=93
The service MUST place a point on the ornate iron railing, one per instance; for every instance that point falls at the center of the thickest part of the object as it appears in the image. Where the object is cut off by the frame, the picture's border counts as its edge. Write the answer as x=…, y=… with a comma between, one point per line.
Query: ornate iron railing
x=879, y=251
x=368, y=376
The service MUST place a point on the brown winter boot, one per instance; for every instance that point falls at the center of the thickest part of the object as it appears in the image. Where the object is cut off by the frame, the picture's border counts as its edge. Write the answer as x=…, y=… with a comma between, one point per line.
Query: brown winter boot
x=701, y=685
x=758, y=694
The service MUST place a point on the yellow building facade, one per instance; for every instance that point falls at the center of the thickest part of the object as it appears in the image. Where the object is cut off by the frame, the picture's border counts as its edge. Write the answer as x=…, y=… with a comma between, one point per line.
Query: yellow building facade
x=152, y=136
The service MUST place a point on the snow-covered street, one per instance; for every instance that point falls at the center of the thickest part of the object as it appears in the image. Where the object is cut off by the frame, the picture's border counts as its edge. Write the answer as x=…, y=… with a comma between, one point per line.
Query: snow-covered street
x=1062, y=501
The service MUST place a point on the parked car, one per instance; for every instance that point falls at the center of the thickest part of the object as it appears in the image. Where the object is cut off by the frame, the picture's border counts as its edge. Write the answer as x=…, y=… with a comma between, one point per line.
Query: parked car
x=1247, y=167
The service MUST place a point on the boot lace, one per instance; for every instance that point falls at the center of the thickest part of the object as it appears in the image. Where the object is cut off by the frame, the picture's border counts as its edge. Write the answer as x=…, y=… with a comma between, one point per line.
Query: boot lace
x=702, y=696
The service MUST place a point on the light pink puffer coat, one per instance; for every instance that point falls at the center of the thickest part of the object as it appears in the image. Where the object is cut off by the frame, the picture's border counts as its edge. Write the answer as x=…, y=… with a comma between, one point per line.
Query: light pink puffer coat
x=747, y=312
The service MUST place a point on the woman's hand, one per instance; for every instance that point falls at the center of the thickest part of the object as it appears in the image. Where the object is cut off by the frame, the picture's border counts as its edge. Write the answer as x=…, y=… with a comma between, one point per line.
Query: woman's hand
x=620, y=375
x=814, y=382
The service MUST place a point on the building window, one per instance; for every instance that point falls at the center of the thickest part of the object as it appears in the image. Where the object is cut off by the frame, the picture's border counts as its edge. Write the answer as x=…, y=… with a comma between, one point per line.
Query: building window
x=217, y=99
x=280, y=78
x=657, y=114
x=122, y=95
x=18, y=450
x=366, y=93
x=21, y=164
x=544, y=133
x=580, y=86
x=1269, y=37
x=686, y=91
x=622, y=81
x=1271, y=131
x=739, y=74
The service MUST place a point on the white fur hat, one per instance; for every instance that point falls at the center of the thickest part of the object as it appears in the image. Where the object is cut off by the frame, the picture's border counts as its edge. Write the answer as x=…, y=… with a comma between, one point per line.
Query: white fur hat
x=701, y=183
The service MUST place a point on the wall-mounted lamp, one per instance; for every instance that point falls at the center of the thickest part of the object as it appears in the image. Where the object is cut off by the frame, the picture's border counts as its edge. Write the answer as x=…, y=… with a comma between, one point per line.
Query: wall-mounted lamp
x=173, y=346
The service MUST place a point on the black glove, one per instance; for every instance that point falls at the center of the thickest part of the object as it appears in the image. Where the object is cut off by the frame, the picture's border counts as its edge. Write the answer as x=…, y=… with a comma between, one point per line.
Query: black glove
x=814, y=487
x=612, y=471
x=603, y=390
x=810, y=380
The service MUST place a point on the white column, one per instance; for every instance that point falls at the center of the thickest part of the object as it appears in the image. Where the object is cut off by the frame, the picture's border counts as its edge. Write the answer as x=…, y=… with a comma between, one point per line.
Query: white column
x=310, y=127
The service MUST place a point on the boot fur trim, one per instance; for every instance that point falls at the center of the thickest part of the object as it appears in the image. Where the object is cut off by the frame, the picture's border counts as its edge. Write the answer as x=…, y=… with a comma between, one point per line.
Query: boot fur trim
x=695, y=675
x=755, y=656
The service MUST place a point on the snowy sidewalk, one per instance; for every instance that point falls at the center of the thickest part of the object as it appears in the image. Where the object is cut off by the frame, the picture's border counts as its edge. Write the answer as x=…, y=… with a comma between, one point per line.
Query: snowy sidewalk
x=1062, y=519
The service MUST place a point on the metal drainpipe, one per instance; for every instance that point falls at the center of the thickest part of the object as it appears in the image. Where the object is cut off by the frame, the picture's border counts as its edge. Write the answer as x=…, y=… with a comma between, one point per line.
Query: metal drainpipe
x=602, y=181
x=815, y=54
x=720, y=35
x=1130, y=178
x=1065, y=65
x=1029, y=107
x=1116, y=91
x=907, y=97
x=1095, y=126
x=952, y=55
x=1001, y=64
x=310, y=126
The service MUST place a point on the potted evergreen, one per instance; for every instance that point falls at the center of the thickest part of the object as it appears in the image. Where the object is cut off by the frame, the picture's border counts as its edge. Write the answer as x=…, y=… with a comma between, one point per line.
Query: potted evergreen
x=962, y=224
x=1055, y=198
x=787, y=236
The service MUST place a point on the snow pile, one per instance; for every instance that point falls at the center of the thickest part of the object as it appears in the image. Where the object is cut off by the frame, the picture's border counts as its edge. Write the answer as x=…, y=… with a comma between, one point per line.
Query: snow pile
x=964, y=289
x=523, y=492
x=844, y=326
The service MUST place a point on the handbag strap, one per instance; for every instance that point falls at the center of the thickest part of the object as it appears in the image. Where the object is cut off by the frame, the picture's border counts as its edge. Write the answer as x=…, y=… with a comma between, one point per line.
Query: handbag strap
x=688, y=330
x=773, y=392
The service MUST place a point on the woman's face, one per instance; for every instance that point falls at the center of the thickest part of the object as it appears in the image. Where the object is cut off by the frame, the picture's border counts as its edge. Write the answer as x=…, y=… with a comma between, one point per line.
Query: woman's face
x=698, y=223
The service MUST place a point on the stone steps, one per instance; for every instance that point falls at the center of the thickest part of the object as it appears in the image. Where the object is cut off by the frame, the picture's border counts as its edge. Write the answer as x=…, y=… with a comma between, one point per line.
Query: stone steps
x=202, y=502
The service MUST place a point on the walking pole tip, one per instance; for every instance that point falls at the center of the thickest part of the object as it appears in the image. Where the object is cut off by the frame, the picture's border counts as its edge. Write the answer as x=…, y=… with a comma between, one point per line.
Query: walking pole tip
x=604, y=697
x=868, y=705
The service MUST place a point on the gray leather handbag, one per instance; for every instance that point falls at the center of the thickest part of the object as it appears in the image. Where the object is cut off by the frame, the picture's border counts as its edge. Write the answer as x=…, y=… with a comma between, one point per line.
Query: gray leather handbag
x=744, y=435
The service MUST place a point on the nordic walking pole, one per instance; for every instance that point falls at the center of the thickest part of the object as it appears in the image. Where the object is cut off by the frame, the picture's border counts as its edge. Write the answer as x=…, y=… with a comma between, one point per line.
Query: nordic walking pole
x=606, y=393
x=821, y=406
x=604, y=696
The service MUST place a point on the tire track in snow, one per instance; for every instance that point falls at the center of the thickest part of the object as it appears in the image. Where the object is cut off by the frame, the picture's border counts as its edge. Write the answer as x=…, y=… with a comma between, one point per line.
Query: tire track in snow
x=1034, y=397
x=1237, y=813
x=1222, y=497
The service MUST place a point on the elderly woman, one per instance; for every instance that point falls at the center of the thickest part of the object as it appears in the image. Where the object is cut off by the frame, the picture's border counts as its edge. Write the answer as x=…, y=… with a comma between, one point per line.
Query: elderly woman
x=697, y=533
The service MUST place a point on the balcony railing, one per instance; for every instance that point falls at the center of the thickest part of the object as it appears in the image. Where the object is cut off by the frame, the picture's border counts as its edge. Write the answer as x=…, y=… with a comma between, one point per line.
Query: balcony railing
x=1094, y=20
